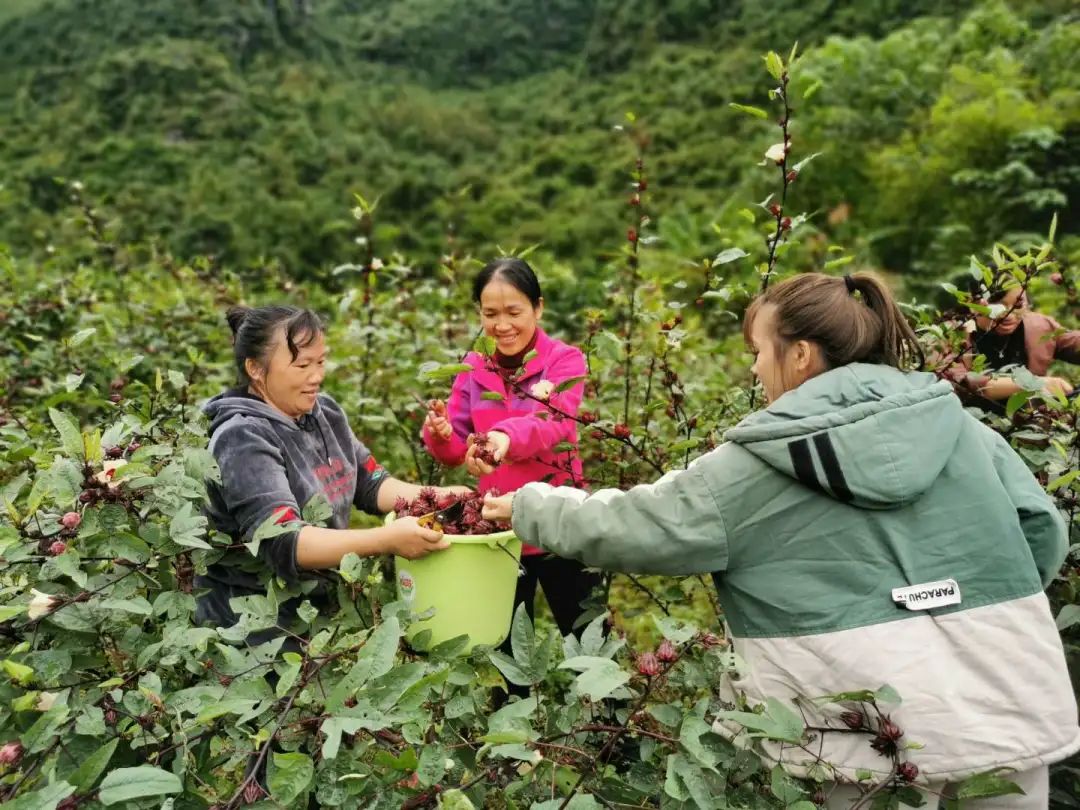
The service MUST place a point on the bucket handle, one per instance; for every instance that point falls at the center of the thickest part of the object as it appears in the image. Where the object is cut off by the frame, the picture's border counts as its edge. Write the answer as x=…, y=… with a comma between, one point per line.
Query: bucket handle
x=517, y=562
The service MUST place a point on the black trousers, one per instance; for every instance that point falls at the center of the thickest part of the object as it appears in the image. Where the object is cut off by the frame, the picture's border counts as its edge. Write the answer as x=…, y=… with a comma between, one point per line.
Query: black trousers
x=566, y=585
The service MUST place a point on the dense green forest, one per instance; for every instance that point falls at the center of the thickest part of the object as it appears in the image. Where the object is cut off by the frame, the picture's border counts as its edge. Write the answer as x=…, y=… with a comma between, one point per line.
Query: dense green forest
x=241, y=129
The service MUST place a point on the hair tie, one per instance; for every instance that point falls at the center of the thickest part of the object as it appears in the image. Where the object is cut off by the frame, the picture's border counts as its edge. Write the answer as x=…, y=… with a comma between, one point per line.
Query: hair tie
x=849, y=282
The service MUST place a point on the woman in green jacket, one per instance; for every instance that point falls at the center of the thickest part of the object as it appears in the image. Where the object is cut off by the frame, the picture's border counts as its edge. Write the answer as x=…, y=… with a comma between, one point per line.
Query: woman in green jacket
x=861, y=530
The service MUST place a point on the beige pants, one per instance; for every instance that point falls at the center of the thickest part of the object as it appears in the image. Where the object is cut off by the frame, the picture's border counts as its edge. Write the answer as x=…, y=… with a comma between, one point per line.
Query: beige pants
x=1035, y=783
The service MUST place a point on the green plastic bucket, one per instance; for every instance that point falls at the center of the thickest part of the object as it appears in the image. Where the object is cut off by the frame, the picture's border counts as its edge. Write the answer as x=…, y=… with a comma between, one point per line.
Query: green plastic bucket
x=469, y=587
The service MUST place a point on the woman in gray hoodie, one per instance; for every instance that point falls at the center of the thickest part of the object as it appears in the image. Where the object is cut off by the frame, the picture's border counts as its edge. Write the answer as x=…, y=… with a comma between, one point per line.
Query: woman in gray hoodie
x=280, y=443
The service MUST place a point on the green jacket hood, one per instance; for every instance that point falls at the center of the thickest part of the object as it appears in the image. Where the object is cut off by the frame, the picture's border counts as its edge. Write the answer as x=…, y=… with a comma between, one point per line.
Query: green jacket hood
x=868, y=435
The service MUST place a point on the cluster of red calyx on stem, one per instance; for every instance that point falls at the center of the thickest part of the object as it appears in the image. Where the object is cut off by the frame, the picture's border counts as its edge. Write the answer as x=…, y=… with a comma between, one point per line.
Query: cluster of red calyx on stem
x=470, y=521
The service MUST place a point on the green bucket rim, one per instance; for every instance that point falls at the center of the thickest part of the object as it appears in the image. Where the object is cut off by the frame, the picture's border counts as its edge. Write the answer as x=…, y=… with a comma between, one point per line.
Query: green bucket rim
x=491, y=540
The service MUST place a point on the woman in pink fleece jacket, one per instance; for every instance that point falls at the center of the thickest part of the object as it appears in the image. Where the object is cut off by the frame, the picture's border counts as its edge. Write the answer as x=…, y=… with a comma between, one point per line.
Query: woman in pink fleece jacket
x=506, y=396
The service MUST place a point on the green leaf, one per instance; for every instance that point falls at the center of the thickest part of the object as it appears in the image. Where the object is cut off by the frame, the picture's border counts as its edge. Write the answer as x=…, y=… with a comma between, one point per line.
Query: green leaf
x=784, y=787
x=19, y=673
x=125, y=784
x=93, y=766
x=522, y=637
x=513, y=671
x=757, y=112
x=674, y=630
x=569, y=383
x=137, y=605
x=455, y=800
x=1017, y=401
x=45, y=799
x=1063, y=480
x=667, y=713
x=290, y=776
x=442, y=372
x=221, y=708
x=834, y=263
x=685, y=780
x=317, y=510
x=1053, y=229
x=986, y=785
x=777, y=722
x=798, y=167
x=375, y=658
x=187, y=529
x=1068, y=617
x=886, y=694
x=579, y=801
x=492, y=396
x=70, y=435
x=81, y=336
x=774, y=64
x=432, y=765
x=728, y=256
x=11, y=611
x=485, y=345
x=599, y=676
x=333, y=728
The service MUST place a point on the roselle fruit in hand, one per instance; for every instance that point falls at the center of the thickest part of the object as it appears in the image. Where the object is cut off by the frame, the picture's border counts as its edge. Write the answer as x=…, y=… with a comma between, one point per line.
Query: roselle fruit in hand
x=469, y=521
x=482, y=452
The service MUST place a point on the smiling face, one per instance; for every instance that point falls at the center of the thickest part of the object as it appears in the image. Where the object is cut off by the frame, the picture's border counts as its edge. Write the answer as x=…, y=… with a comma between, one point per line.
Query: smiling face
x=508, y=315
x=291, y=384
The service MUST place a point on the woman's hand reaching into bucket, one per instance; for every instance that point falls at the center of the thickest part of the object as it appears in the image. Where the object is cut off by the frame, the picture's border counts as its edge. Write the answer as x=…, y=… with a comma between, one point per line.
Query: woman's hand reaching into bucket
x=408, y=539
x=498, y=508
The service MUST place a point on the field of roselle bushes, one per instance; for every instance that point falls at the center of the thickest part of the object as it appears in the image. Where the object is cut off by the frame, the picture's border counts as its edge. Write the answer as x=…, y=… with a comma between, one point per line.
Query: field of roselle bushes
x=112, y=696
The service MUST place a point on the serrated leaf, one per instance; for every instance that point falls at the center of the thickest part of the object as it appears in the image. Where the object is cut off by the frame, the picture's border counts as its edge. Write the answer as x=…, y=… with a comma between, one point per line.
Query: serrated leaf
x=290, y=776
x=317, y=510
x=375, y=658
x=432, y=765
x=783, y=787
x=674, y=630
x=187, y=529
x=333, y=728
x=511, y=669
x=599, y=676
x=70, y=435
x=986, y=785
x=777, y=722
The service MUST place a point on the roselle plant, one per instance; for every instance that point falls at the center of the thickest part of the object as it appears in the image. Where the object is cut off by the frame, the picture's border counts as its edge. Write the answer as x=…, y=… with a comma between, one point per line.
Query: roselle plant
x=114, y=696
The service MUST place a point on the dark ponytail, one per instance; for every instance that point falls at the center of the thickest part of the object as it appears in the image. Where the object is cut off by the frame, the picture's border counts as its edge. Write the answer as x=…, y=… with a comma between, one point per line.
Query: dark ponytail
x=255, y=330
x=853, y=319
